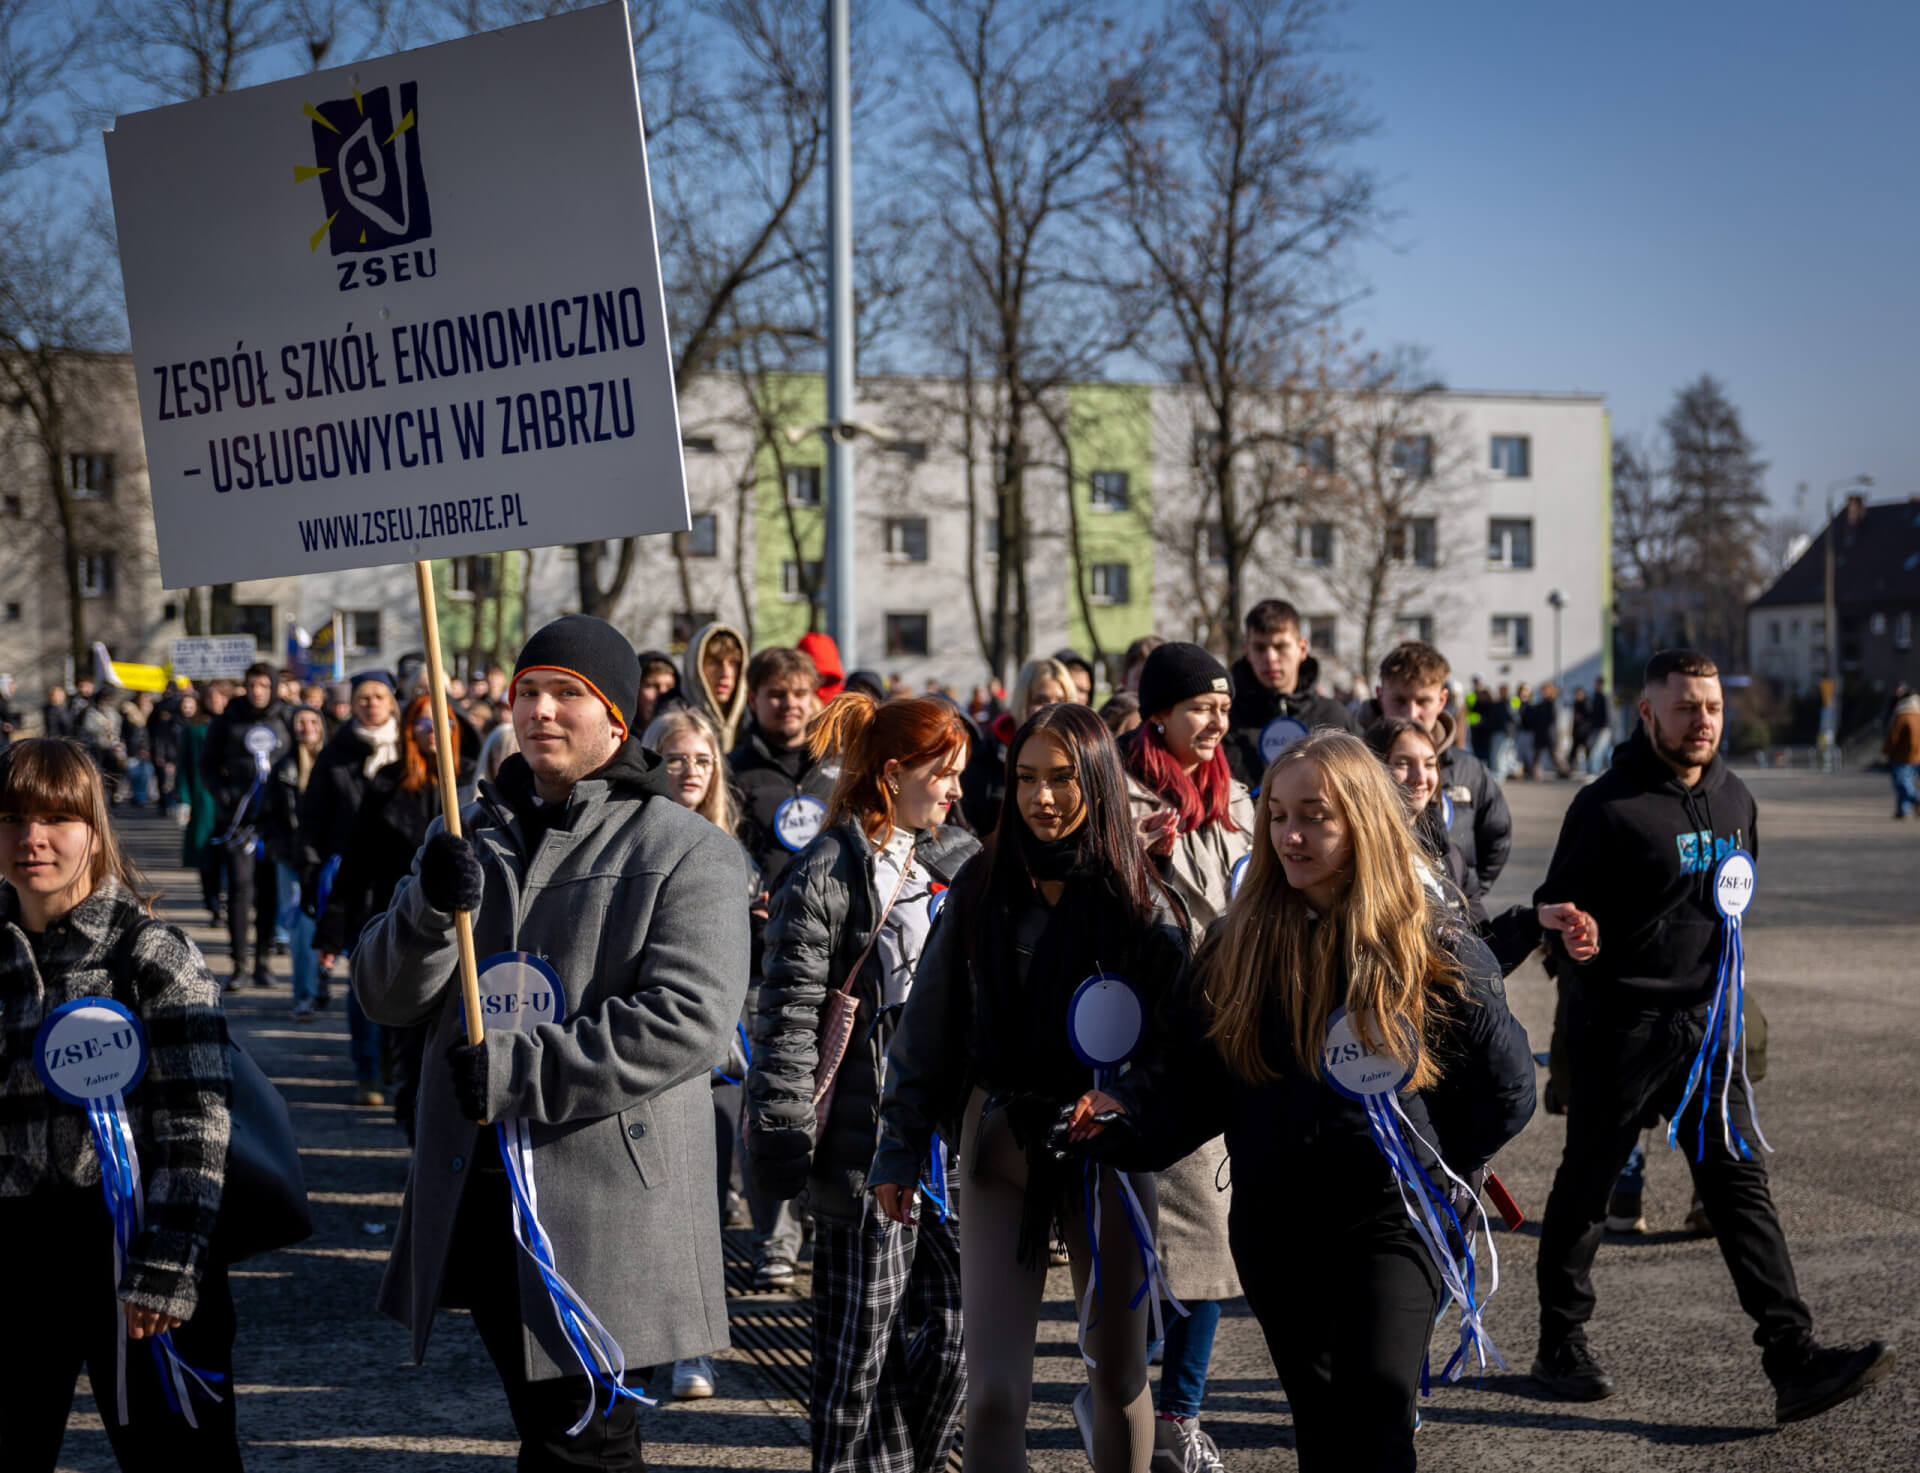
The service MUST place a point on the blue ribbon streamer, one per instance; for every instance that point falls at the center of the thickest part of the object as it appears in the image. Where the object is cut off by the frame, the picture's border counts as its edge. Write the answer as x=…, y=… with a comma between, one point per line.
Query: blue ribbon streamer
x=746, y=1053
x=934, y=1184
x=1727, y=1019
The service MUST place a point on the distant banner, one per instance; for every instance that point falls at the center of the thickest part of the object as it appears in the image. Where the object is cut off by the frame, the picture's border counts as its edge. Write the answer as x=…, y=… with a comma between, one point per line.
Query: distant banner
x=214, y=657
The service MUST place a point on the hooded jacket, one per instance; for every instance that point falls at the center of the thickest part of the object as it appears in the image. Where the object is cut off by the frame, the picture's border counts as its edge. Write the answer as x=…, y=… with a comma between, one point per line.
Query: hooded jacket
x=825, y=654
x=228, y=764
x=765, y=779
x=1637, y=852
x=698, y=693
x=1481, y=827
x=1254, y=706
x=634, y=902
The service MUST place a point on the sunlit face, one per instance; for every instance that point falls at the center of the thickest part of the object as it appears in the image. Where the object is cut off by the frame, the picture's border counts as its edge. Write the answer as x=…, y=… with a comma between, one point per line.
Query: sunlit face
x=1046, y=691
x=782, y=709
x=1417, y=703
x=1047, y=788
x=722, y=669
x=1684, y=717
x=1415, y=766
x=1276, y=658
x=423, y=732
x=260, y=691
x=1082, y=684
x=372, y=703
x=1195, y=727
x=565, y=730
x=691, y=767
x=1308, y=832
x=47, y=856
x=928, y=790
x=308, y=729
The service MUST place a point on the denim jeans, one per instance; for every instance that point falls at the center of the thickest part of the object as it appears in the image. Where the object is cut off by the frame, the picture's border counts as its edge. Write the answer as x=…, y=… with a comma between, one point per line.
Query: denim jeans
x=363, y=1046
x=140, y=780
x=299, y=926
x=1189, y=1351
x=1906, y=788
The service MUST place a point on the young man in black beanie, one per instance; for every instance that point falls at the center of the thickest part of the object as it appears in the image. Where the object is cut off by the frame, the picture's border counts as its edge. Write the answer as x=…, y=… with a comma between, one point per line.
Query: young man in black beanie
x=579, y=856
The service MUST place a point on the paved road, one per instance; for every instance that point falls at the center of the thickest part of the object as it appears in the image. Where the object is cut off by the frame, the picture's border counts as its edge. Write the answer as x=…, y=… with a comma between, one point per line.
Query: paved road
x=326, y=1385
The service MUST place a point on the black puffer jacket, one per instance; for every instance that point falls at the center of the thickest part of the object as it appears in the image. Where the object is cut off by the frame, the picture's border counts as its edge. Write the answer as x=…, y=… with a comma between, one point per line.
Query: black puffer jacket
x=765, y=780
x=823, y=916
x=1254, y=706
x=229, y=766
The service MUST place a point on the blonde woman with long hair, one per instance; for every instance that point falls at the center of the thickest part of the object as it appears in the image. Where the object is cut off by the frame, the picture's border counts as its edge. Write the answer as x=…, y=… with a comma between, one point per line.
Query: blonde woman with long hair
x=1332, y=914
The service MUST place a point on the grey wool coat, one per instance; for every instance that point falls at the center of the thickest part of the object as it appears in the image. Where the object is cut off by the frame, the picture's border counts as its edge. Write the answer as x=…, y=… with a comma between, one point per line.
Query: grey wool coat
x=635, y=902
x=1196, y=1193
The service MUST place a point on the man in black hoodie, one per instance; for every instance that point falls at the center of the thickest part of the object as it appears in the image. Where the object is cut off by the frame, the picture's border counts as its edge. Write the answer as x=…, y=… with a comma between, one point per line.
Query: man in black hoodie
x=243, y=743
x=1272, y=679
x=1639, y=851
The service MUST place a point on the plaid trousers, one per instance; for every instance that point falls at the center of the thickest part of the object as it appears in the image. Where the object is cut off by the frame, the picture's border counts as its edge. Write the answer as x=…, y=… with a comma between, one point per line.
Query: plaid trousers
x=886, y=1398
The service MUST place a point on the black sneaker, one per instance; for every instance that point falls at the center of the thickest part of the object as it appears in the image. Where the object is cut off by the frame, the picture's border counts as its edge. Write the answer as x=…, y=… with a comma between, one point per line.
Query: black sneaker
x=1569, y=1372
x=1829, y=1376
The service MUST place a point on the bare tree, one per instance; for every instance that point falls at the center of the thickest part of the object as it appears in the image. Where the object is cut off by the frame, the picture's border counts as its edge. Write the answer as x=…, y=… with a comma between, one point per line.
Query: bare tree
x=1026, y=109
x=1236, y=189
x=39, y=43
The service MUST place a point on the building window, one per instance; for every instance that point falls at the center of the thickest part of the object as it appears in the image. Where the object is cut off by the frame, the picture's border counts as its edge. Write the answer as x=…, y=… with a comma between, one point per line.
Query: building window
x=906, y=635
x=473, y=577
x=90, y=477
x=1205, y=443
x=699, y=445
x=1316, y=453
x=702, y=539
x=911, y=451
x=96, y=575
x=256, y=622
x=803, y=485
x=1417, y=626
x=13, y=613
x=990, y=537
x=1313, y=543
x=1413, y=540
x=1108, y=490
x=796, y=578
x=1510, y=542
x=1513, y=455
x=14, y=506
x=684, y=625
x=1413, y=456
x=1323, y=634
x=1216, y=545
x=907, y=539
x=363, y=631
x=1903, y=630
x=1773, y=631
x=1512, y=636
x=1109, y=583
x=1877, y=623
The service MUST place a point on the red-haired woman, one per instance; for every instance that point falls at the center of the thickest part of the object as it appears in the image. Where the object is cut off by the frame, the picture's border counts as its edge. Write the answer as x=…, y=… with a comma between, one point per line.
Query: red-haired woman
x=74, y=926
x=852, y=912
x=1197, y=820
x=390, y=826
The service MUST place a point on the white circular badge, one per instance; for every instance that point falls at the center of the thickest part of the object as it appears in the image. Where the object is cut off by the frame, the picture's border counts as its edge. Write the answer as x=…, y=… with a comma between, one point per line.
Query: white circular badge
x=262, y=741
x=1105, y=1020
x=1279, y=734
x=1733, y=884
x=1237, y=875
x=797, y=822
x=1353, y=1069
x=936, y=903
x=519, y=992
x=90, y=1049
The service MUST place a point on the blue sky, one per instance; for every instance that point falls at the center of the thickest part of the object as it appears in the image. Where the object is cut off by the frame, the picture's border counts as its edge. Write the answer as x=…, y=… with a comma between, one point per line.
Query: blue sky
x=1619, y=198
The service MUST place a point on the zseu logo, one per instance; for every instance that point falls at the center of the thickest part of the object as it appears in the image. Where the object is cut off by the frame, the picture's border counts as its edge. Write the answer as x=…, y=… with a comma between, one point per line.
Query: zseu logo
x=366, y=155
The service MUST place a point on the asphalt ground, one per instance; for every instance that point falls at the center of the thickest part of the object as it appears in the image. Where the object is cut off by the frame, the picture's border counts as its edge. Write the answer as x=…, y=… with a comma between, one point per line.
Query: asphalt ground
x=325, y=1384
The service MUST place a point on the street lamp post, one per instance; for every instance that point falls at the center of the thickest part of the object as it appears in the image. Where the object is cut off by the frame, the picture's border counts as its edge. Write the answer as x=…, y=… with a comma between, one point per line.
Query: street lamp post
x=1558, y=601
x=840, y=521
x=1830, y=684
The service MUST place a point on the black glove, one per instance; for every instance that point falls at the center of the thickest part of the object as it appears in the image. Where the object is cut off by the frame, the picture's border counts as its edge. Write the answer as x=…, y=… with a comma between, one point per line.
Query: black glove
x=1063, y=1148
x=469, y=1064
x=450, y=875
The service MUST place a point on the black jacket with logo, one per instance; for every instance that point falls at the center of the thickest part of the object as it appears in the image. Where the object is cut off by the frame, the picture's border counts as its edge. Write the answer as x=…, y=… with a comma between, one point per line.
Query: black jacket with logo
x=1254, y=706
x=1637, y=852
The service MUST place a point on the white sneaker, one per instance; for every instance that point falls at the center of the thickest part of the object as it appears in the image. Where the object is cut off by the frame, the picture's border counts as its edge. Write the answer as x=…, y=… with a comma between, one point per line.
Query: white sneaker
x=693, y=1379
x=1083, y=1418
x=1181, y=1447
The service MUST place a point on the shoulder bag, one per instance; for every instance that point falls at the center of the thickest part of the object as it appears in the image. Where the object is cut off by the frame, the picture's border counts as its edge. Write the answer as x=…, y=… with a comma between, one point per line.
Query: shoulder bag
x=836, y=1030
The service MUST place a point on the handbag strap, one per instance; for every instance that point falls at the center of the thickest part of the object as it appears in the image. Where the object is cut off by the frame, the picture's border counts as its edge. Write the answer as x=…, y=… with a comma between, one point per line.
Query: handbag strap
x=880, y=925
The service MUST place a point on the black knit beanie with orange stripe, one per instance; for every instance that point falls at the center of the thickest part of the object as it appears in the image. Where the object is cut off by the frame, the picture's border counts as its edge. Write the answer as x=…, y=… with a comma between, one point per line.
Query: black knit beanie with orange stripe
x=593, y=650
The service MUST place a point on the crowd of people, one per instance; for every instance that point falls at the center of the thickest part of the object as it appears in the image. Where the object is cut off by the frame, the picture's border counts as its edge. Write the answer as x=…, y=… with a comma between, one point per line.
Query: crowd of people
x=959, y=991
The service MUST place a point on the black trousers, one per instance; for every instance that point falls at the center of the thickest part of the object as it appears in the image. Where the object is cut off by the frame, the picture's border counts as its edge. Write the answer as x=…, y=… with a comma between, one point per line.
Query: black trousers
x=1346, y=1309
x=483, y=1276
x=64, y=1314
x=253, y=893
x=1625, y=1064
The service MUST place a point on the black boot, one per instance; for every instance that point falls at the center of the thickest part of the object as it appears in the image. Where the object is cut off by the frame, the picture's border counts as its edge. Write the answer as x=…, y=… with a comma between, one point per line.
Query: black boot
x=1570, y=1373
x=1825, y=1376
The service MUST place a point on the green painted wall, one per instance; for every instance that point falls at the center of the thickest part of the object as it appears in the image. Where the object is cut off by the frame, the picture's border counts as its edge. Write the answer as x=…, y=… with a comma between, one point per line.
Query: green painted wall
x=503, y=618
x=796, y=400
x=1110, y=428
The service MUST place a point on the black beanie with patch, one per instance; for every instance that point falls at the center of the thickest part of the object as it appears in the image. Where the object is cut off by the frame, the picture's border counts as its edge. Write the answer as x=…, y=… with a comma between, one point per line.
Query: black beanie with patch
x=1179, y=672
x=593, y=650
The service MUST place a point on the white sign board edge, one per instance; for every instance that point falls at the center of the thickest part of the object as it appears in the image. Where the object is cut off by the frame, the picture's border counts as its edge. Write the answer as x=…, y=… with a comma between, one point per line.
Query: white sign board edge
x=519, y=201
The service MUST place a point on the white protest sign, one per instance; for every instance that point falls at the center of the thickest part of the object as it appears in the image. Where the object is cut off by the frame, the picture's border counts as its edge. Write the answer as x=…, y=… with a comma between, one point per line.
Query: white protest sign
x=402, y=310
x=213, y=656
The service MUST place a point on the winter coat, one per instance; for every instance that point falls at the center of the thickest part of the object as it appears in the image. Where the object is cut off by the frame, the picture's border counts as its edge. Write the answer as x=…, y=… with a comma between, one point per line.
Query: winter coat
x=765, y=785
x=179, y=1108
x=823, y=916
x=1637, y=852
x=635, y=902
x=698, y=694
x=388, y=829
x=229, y=765
x=1903, y=732
x=1254, y=706
x=190, y=789
x=1200, y=869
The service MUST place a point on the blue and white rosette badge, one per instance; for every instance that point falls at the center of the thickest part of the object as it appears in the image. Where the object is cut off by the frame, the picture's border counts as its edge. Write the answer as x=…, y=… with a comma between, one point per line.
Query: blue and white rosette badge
x=518, y=993
x=261, y=742
x=1733, y=888
x=1106, y=1020
x=90, y=1052
x=1375, y=1080
x=1446, y=812
x=1237, y=876
x=1279, y=734
x=796, y=822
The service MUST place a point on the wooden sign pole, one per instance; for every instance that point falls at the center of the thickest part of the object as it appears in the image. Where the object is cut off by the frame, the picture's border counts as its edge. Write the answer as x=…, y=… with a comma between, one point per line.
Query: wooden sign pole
x=445, y=739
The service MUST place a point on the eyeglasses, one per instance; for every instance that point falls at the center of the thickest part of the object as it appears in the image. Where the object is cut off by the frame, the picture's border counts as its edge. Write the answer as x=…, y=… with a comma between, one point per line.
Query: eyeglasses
x=678, y=762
